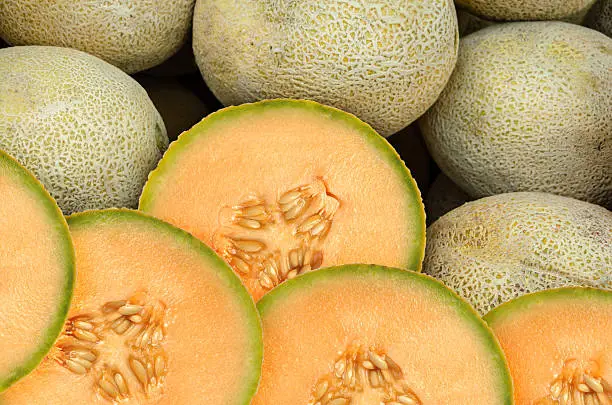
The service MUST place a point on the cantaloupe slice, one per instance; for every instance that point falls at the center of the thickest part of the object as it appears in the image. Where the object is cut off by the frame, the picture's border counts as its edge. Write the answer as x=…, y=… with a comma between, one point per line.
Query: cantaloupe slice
x=559, y=346
x=157, y=318
x=284, y=186
x=363, y=335
x=36, y=271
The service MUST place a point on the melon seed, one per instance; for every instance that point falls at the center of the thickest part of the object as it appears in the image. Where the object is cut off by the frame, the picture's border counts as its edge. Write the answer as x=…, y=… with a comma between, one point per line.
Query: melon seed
x=75, y=367
x=129, y=309
x=121, y=384
x=109, y=388
x=85, y=335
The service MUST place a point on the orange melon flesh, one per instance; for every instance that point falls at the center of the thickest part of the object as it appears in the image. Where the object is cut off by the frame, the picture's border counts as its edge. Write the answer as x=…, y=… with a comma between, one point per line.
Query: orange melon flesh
x=36, y=271
x=548, y=334
x=262, y=152
x=212, y=339
x=446, y=353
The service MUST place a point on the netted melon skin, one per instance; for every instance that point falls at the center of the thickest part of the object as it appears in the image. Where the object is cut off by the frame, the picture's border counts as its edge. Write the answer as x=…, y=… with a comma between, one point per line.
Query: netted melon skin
x=522, y=10
x=528, y=109
x=88, y=131
x=498, y=248
x=385, y=61
x=133, y=35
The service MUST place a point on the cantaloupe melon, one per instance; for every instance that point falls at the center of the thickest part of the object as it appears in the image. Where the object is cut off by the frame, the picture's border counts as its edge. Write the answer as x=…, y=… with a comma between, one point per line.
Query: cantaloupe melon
x=87, y=130
x=500, y=247
x=600, y=17
x=364, y=335
x=528, y=109
x=36, y=271
x=559, y=346
x=443, y=196
x=179, y=107
x=515, y=10
x=282, y=187
x=157, y=318
x=133, y=35
x=385, y=61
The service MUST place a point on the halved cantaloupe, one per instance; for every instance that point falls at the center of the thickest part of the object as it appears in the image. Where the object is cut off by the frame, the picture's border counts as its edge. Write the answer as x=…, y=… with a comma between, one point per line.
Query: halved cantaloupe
x=157, y=318
x=559, y=346
x=363, y=335
x=284, y=186
x=36, y=271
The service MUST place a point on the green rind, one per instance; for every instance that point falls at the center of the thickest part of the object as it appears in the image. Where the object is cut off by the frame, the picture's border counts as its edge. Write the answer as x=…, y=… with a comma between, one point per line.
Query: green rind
x=445, y=295
x=529, y=301
x=225, y=273
x=387, y=153
x=50, y=335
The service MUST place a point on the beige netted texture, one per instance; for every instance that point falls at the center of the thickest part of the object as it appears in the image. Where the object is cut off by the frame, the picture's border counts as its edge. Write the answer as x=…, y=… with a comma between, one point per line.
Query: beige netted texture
x=133, y=35
x=528, y=108
x=384, y=61
x=519, y=10
x=88, y=131
x=498, y=248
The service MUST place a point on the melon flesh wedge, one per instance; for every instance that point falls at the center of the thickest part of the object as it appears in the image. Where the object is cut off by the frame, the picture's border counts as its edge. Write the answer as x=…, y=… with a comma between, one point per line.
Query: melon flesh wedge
x=366, y=335
x=36, y=271
x=282, y=187
x=559, y=346
x=157, y=318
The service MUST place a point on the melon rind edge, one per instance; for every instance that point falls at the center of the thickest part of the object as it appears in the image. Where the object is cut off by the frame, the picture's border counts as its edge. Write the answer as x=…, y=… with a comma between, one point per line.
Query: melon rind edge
x=59, y=318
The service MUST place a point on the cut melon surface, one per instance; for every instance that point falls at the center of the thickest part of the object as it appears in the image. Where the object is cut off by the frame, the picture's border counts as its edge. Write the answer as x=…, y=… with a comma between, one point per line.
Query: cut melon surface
x=36, y=271
x=558, y=344
x=285, y=186
x=364, y=334
x=157, y=318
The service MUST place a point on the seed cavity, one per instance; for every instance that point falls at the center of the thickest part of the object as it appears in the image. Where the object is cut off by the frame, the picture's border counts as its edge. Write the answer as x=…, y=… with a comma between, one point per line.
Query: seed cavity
x=141, y=322
x=304, y=213
x=359, y=369
x=577, y=385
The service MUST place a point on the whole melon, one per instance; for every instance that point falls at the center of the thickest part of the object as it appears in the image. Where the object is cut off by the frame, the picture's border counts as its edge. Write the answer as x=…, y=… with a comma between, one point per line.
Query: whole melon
x=528, y=109
x=133, y=35
x=87, y=130
x=385, y=61
x=600, y=17
x=498, y=248
x=521, y=10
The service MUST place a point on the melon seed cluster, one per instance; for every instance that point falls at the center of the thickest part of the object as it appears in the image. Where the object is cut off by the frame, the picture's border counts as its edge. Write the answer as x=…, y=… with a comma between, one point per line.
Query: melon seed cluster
x=577, y=386
x=358, y=369
x=304, y=213
x=141, y=323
